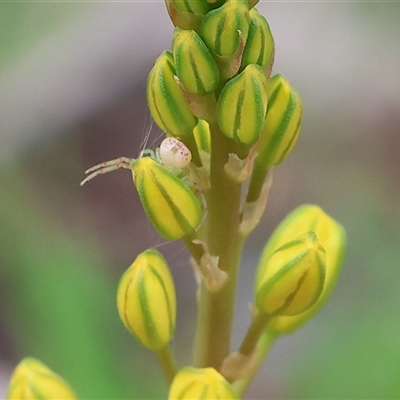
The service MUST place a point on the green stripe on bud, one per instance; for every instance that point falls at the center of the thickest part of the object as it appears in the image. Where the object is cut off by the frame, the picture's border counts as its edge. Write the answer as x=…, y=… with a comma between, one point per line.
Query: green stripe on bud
x=222, y=29
x=171, y=205
x=260, y=47
x=32, y=380
x=187, y=14
x=242, y=105
x=282, y=123
x=194, y=64
x=200, y=383
x=291, y=280
x=332, y=237
x=168, y=104
x=202, y=136
x=146, y=300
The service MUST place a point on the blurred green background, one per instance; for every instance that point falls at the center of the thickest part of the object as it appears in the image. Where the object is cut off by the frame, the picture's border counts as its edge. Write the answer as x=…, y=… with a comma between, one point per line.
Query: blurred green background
x=72, y=94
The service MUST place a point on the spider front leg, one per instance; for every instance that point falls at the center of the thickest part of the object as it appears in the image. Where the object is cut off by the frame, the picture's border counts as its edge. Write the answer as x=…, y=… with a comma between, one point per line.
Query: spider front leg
x=150, y=153
x=108, y=166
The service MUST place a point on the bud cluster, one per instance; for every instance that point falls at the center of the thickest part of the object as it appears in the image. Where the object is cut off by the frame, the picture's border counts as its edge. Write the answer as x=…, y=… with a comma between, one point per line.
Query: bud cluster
x=226, y=121
x=219, y=71
x=216, y=81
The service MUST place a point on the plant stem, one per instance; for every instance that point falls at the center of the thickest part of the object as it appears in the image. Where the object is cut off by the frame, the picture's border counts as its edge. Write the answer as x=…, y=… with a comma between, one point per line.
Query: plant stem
x=254, y=333
x=256, y=182
x=265, y=343
x=194, y=249
x=167, y=362
x=215, y=310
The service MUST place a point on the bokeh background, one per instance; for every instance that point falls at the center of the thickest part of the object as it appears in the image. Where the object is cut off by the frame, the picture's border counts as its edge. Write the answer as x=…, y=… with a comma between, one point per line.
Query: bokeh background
x=72, y=94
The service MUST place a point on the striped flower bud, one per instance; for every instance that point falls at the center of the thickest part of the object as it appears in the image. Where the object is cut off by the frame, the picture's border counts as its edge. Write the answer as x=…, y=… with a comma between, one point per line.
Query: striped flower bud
x=146, y=300
x=194, y=64
x=332, y=237
x=282, y=123
x=168, y=104
x=32, y=380
x=202, y=136
x=291, y=280
x=260, y=47
x=222, y=29
x=170, y=204
x=200, y=383
x=242, y=104
x=187, y=14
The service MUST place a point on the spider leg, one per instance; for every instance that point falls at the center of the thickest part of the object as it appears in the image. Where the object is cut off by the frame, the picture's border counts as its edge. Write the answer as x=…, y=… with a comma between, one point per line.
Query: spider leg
x=158, y=156
x=147, y=152
x=107, y=166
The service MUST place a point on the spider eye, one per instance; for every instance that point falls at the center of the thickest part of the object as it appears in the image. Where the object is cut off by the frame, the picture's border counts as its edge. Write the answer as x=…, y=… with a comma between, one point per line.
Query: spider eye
x=174, y=153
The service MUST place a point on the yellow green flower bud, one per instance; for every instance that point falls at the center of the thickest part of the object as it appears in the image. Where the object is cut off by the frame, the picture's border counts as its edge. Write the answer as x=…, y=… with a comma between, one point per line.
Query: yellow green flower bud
x=162, y=182
x=242, y=104
x=282, y=123
x=146, y=300
x=32, y=380
x=332, y=237
x=222, y=29
x=260, y=47
x=187, y=14
x=194, y=64
x=168, y=104
x=171, y=205
x=202, y=136
x=292, y=279
x=200, y=383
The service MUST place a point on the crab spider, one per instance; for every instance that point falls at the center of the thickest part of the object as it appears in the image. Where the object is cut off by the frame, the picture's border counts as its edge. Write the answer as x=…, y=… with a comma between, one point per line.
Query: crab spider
x=172, y=153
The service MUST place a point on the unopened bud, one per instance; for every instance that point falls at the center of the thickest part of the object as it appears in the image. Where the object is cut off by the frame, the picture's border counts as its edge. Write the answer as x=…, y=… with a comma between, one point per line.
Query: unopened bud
x=202, y=136
x=200, y=383
x=168, y=104
x=32, y=380
x=187, y=14
x=146, y=300
x=171, y=205
x=194, y=64
x=260, y=47
x=282, y=123
x=242, y=104
x=332, y=237
x=222, y=29
x=292, y=279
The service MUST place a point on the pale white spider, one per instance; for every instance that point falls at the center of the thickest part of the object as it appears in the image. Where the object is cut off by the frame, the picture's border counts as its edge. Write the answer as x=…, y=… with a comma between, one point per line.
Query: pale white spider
x=172, y=153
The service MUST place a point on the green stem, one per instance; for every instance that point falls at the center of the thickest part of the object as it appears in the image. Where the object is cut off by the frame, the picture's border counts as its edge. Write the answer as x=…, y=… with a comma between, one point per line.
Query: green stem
x=256, y=183
x=263, y=346
x=196, y=250
x=254, y=333
x=167, y=362
x=215, y=310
